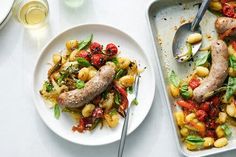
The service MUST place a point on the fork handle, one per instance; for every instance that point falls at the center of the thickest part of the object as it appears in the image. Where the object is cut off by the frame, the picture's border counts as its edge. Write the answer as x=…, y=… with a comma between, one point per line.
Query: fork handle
x=200, y=14
x=123, y=135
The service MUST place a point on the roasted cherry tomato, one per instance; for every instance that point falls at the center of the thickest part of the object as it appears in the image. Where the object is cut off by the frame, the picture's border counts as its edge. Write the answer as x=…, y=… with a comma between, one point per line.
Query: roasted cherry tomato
x=80, y=127
x=214, y=112
x=95, y=48
x=211, y=124
x=119, y=89
x=111, y=49
x=205, y=106
x=97, y=113
x=228, y=10
x=215, y=101
x=85, y=54
x=201, y=115
x=185, y=104
x=194, y=83
x=211, y=133
x=98, y=60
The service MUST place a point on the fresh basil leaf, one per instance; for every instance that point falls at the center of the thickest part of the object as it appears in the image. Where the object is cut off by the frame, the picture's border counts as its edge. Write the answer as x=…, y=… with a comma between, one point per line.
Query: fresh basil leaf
x=202, y=59
x=114, y=60
x=80, y=84
x=83, y=44
x=57, y=111
x=83, y=62
x=49, y=86
x=231, y=87
x=173, y=78
x=117, y=98
x=184, y=91
x=195, y=139
x=95, y=123
x=135, y=101
x=227, y=130
x=232, y=61
x=130, y=90
x=113, y=112
x=120, y=73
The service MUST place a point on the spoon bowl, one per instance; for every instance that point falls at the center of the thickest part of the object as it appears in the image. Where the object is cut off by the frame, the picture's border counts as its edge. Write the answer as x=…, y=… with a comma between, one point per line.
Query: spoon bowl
x=179, y=41
x=183, y=51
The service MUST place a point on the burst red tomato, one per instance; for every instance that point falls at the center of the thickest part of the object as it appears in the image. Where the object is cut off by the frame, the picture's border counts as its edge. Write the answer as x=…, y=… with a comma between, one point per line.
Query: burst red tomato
x=95, y=48
x=211, y=133
x=111, y=49
x=85, y=54
x=205, y=106
x=211, y=124
x=214, y=112
x=80, y=127
x=215, y=101
x=194, y=83
x=228, y=10
x=201, y=115
x=98, y=60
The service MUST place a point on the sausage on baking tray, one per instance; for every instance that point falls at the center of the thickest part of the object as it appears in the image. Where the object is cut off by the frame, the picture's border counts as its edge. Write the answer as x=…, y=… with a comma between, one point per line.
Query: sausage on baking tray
x=226, y=27
x=94, y=87
x=218, y=71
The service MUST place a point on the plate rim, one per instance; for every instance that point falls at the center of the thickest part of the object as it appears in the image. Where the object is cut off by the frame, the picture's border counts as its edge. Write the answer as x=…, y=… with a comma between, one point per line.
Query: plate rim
x=41, y=53
x=6, y=17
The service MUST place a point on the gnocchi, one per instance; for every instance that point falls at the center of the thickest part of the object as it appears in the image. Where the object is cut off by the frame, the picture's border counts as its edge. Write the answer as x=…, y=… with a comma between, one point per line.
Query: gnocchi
x=174, y=91
x=74, y=55
x=83, y=74
x=215, y=5
x=88, y=110
x=208, y=142
x=127, y=80
x=56, y=58
x=202, y=71
x=221, y=142
x=220, y=132
x=112, y=120
x=179, y=116
x=123, y=62
x=194, y=38
x=71, y=45
x=108, y=102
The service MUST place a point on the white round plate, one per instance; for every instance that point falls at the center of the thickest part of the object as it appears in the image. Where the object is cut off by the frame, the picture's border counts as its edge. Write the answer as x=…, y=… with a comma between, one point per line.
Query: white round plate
x=5, y=9
x=129, y=48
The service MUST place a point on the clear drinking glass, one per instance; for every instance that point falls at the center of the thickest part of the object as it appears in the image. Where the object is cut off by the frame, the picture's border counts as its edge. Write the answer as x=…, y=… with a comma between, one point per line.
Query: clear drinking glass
x=31, y=13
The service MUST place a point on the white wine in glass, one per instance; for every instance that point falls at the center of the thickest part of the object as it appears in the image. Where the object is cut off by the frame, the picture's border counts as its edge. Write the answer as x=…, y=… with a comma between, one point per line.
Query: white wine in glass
x=31, y=13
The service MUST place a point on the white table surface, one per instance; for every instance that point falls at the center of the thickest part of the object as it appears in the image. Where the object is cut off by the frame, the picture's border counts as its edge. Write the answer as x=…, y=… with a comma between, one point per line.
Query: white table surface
x=23, y=133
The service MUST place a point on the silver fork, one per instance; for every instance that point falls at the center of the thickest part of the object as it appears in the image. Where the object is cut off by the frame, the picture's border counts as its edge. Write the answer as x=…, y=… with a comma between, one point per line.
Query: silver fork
x=131, y=97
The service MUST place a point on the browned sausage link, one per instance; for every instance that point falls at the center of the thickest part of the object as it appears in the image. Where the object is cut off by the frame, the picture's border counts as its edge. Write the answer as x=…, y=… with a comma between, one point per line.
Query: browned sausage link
x=218, y=71
x=94, y=87
x=226, y=27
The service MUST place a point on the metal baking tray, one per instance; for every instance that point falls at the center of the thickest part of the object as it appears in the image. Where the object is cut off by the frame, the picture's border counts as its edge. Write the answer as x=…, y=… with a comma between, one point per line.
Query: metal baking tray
x=164, y=17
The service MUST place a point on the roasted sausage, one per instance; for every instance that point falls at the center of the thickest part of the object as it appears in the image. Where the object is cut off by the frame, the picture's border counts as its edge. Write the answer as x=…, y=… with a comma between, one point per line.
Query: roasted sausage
x=226, y=27
x=94, y=87
x=218, y=71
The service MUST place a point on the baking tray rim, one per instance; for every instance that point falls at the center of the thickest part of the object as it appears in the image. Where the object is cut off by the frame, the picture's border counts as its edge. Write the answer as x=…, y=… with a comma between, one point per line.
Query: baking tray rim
x=166, y=98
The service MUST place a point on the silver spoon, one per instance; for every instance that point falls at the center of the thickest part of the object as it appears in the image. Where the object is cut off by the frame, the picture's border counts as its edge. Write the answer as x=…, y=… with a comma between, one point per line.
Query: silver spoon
x=179, y=41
